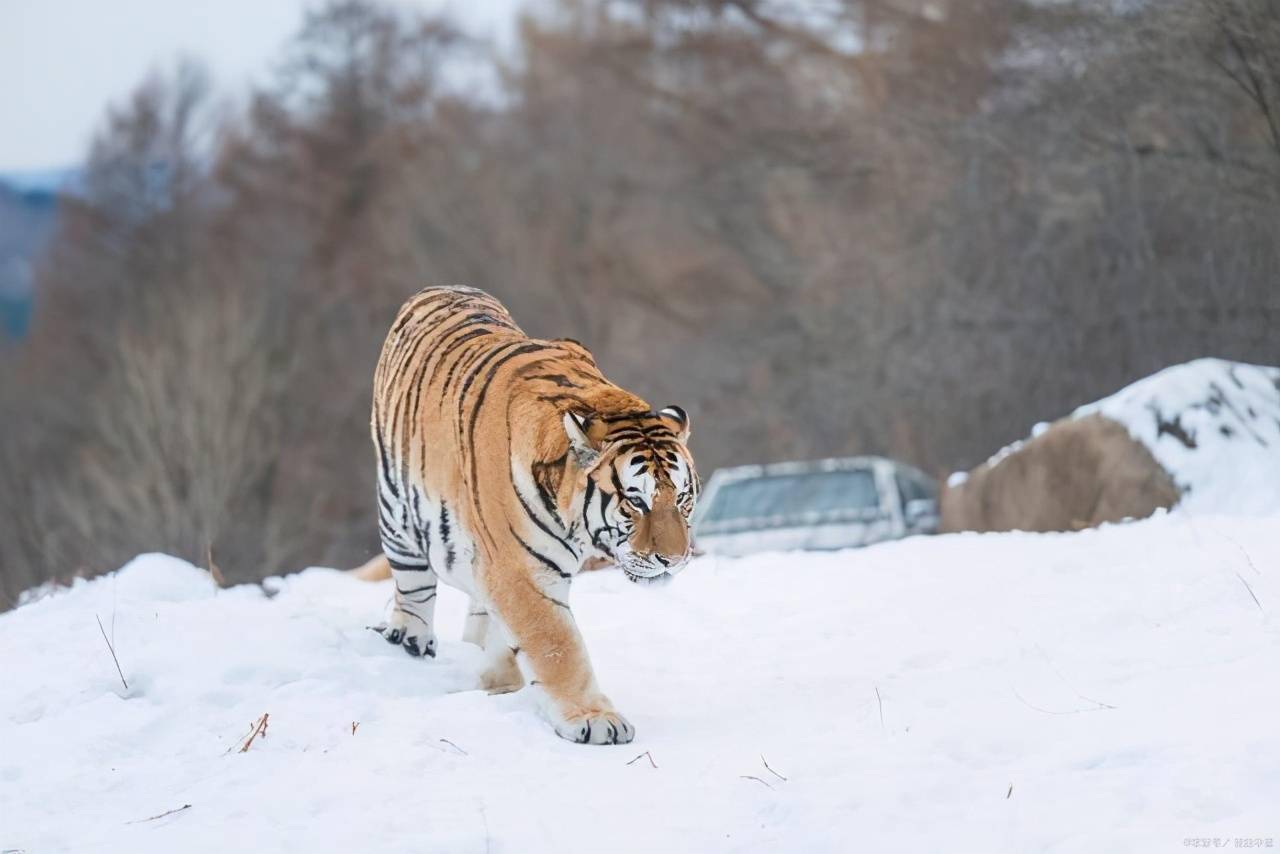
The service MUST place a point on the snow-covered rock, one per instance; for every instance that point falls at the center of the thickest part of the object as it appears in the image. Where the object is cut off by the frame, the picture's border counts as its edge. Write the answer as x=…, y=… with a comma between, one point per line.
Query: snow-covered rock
x=1112, y=690
x=1214, y=425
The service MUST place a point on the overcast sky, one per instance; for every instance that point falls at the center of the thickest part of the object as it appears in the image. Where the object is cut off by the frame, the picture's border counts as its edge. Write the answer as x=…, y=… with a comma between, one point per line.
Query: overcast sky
x=63, y=61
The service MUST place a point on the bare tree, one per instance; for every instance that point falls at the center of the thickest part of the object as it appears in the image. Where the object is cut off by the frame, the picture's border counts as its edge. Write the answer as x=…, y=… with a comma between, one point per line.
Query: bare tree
x=863, y=226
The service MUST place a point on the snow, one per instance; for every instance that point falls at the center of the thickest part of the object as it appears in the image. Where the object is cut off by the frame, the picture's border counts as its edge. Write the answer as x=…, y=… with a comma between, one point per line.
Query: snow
x=1108, y=690
x=1214, y=425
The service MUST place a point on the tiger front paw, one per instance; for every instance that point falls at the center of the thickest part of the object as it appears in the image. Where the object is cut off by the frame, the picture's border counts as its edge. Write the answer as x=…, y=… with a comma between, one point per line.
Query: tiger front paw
x=604, y=726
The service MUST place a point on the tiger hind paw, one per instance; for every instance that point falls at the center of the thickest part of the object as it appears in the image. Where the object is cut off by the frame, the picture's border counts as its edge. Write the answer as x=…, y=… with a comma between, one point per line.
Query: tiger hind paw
x=415, y=645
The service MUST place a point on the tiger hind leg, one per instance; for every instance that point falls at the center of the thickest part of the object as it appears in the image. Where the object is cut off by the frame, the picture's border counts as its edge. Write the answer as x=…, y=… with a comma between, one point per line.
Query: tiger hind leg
x=476, y=627
x=411, y=621
x=501, y=673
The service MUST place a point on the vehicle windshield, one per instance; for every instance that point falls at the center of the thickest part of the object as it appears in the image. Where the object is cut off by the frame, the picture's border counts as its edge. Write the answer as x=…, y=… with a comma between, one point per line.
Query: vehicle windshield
x=812, y=495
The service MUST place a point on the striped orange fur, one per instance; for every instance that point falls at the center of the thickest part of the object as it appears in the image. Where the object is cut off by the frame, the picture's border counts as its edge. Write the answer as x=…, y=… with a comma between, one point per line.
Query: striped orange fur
x=504, y=463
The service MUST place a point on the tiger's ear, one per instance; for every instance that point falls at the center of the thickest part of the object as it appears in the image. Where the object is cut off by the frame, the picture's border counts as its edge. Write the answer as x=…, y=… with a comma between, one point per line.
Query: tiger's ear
x=584, y=440
x=681, y=419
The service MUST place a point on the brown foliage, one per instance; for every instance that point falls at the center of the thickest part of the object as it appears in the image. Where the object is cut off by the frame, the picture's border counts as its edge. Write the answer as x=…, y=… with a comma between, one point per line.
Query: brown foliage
x=984, y=214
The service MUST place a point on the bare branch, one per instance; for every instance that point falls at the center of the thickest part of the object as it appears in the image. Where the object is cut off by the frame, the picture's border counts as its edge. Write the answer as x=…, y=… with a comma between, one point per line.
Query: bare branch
x=642, y=756
x=112, y=650
x=757, y=779
x=161, y=815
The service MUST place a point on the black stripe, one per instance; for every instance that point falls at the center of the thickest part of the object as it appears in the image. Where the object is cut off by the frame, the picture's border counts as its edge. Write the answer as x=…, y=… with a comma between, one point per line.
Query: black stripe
x=390, y=538
x=629, y=416
x=416, y=380
x=539, y=478
x=604, y=504
x=415, y=302
x=540, y=592
x=451, y=347
x=382, y=501
x=418, y=527
x=406, y=357
x=617, y=484
x=479, y=366
x=597, y=539
x=555, y=567
x=444, y=537
x=401, y=566
x=410, y=592
x=447, y=345
x=565, y=398
x=523, y=349
x=529, y=512
x=559, y=379
x=586, y=502
x=400, y=416
x=466, y=360
x=382, y=455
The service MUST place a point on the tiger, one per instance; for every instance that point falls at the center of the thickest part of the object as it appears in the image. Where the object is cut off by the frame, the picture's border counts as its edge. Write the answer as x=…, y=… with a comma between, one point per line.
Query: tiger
x=504, y=464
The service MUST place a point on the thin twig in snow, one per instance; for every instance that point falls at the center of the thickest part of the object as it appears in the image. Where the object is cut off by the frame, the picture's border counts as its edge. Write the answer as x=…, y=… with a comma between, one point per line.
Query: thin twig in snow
x=757, y=779
x=162, y=815
x=1234, y=542
x=1101, y=707
x=112, y=649
x=880, y=706
x=641, y=756
x=1065, y=680
x=248, y=735
x=771, y=771
x=1009, y=794
x=214, y=572
x=1099, y=703
x=1251, y=593
x=259, y=729
x=454, y=746
x=252, y=726
x=355, y=725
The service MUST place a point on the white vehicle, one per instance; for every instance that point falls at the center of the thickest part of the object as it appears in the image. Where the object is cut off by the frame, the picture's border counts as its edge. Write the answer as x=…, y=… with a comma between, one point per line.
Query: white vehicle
x=822, y=504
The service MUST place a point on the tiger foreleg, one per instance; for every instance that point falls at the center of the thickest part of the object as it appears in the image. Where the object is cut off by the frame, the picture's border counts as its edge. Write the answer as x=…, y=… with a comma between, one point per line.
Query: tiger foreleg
x=540, y=625
x=411, y=620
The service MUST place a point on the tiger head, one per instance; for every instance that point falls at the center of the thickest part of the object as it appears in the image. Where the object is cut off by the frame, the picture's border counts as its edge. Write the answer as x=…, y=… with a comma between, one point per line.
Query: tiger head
x=640, y=488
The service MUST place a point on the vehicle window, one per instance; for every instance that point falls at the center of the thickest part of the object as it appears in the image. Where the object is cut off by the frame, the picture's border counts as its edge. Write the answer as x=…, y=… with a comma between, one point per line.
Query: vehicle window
x=815, y=493
x=909, y=489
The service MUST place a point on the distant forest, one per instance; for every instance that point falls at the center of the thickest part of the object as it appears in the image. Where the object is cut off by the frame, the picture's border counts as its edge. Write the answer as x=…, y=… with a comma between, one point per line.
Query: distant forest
x=26, y=218
x=904, y=227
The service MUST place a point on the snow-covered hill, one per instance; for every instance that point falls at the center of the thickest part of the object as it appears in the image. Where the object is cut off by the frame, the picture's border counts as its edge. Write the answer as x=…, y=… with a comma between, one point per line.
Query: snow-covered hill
x=1112, y=690
x=1214, y=425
